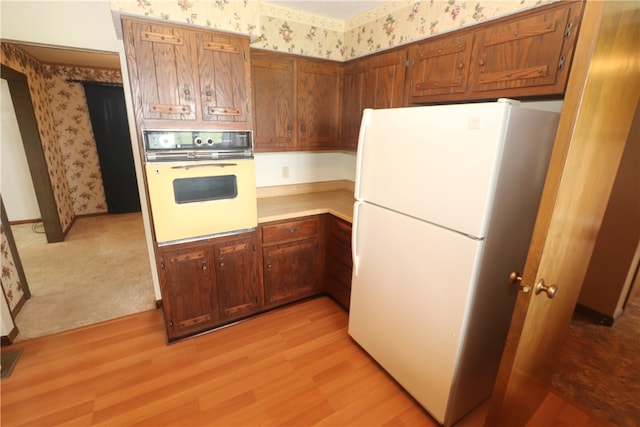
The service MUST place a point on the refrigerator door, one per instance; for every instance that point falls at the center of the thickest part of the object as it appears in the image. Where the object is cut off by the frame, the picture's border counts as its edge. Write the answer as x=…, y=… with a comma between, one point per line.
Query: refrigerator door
x=409, y=299
x=436, y=163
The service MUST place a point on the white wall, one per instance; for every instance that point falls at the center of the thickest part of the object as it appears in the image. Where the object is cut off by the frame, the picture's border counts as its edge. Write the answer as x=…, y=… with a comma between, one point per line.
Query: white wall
x=78, y=24
x=16, y=185
x=299, y=167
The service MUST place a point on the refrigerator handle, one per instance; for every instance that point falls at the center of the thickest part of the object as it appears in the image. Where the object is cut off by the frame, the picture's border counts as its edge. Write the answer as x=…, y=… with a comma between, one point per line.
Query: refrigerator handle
x=361, y=138
x=354, y=237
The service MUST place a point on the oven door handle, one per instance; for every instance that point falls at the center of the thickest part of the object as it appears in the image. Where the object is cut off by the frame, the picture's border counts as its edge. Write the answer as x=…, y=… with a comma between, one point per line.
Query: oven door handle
x=204, y=165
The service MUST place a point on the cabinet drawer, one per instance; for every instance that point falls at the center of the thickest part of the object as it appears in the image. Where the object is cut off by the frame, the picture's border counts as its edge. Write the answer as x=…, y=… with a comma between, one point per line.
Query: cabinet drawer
x=289, y=230
x=340, y=272
x=341, y=231
x=339, y=293
x=341, y=252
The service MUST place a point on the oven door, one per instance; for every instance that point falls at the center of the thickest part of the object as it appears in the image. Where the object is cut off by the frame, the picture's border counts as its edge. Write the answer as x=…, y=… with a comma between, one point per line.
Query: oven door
x=196, y=199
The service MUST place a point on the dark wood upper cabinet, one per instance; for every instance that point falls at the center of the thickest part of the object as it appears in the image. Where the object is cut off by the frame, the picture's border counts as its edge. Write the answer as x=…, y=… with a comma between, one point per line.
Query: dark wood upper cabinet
x=160, y=59
x=224, y=70
x=273, y=101
x=187, y=78
x=319, y=91
x=526, y=55
x=375, y=81
x=439, y=67
x=353, y=102
x=296, y=101
x=384, y=79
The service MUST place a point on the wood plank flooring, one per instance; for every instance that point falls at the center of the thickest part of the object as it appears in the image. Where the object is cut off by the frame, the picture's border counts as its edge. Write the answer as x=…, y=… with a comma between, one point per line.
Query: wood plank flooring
x=294, y=366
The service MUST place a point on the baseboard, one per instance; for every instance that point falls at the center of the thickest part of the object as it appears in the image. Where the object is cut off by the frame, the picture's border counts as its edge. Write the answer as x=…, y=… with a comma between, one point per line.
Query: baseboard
x=9, y=339
x=601, y=318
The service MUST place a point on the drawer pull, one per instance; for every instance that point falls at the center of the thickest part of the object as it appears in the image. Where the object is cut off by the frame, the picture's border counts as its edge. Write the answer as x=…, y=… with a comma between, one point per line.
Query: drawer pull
x=292, y=229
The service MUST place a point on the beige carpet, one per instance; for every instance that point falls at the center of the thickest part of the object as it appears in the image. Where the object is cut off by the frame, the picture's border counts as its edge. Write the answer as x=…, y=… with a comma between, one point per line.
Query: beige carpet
x=100, y=272
x=599, y=366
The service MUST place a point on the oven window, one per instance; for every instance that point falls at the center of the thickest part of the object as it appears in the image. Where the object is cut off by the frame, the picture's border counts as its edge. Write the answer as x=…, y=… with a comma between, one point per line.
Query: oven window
x=200, y=189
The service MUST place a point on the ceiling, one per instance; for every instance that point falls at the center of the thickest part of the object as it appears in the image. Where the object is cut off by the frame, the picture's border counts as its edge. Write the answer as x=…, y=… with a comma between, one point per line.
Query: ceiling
x=335, y=9
x=61, y=56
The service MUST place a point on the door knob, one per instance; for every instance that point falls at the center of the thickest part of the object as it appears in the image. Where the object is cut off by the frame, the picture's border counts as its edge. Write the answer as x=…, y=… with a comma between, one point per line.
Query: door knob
x=515, y=278
x=551, y=291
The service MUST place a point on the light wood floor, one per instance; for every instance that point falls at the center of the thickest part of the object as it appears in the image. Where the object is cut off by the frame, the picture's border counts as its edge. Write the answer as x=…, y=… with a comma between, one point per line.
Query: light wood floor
x=294, y=366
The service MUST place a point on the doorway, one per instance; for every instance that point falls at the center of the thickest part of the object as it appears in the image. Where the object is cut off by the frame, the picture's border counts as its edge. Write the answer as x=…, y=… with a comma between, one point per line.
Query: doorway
x=109, y=267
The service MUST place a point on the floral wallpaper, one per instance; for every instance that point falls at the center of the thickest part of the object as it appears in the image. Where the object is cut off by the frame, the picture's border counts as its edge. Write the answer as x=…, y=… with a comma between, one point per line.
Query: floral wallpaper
x=75, y=134
x=15, y=58
x=11, y=284
x=277, y=28
x=399, y=22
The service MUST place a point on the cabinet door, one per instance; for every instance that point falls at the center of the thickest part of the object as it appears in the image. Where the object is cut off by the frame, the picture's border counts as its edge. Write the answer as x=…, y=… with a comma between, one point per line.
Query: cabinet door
x=236, y=271
x=290, y=271
x=161, y=61
x=353, y=102
x=224, y=70
x=438, y=68
x=528, y=55
x=188, y=290
x=273, y=101
x=319, y=89
x=384, y=81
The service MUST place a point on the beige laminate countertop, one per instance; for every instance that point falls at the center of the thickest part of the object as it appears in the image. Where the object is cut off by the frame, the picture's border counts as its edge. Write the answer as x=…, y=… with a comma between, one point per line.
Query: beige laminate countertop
x=337, y=202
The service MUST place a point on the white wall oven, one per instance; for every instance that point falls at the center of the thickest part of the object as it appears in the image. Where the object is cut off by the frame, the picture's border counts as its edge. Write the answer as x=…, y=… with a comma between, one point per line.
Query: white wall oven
x=200, y=183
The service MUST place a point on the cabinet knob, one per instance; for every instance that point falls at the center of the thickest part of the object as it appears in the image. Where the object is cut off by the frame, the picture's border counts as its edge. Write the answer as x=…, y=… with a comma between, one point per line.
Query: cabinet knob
x=481, y=63
x=460, y=66
x=187, y=92
x=302, y=127
x=221, y=263
x=204, y=265
x=268, y=266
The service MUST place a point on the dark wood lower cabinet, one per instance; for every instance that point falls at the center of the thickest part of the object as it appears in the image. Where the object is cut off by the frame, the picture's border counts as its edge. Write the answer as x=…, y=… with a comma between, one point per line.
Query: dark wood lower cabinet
x=238, y=285
x=339, y=264
x=291, y=259
x=208, y=283
x=212, y=282
x=290, y=271
x=187, y=282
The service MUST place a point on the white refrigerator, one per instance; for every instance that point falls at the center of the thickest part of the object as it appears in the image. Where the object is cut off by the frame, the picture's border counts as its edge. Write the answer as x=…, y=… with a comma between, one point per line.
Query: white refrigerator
x=446, y=199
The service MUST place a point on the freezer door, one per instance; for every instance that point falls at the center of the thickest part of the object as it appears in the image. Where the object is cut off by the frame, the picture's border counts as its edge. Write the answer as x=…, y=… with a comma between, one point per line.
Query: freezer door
x=436, y=163
x=409, y=298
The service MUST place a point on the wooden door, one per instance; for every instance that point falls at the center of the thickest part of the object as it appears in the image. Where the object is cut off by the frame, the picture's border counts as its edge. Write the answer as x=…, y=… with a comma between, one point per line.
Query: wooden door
x=108, y=115
x=384, y=81
x=188, y=290
x=161, y=62
x=318, y=94
x=236, y=273
x=438, y=68
x=273, y=95
x=599, y=108
x=224, y=70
